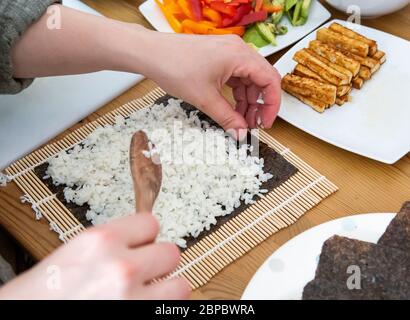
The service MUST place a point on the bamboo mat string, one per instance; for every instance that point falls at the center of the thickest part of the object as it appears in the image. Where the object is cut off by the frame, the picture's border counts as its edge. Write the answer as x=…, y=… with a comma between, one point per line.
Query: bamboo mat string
x=4, y=179
x=36, y=205
x=57, y=229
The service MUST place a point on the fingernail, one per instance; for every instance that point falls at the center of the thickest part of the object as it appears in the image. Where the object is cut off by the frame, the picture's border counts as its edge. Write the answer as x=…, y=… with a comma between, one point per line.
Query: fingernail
x=242, y=134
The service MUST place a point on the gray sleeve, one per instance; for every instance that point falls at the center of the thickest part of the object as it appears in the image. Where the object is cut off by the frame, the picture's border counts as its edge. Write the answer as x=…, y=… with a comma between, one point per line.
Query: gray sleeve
x=16, y=16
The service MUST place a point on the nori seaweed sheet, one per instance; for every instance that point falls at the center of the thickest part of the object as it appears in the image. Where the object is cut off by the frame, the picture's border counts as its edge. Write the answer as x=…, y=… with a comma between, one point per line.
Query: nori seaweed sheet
x=274, y=163
x=397, y=234
x=385, y=271
x=323, y=289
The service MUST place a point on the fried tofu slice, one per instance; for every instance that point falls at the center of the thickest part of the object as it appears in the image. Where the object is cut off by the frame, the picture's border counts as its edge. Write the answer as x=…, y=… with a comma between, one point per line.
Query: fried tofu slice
x=341, y=41
x=302, y=71
x=316, y=105
x=323, y=70
x=365, y=73
x=336, y=27
x=380, y=56
x=373, y=71
x=310, y=88
x=357, y=82
x=343, y=90
x=369, y=62
x=335, y=56
x=340, y=101
x=332, y=65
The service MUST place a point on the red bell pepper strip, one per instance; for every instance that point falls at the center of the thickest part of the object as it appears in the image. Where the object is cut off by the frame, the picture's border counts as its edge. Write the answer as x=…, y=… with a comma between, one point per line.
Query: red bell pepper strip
x=223, y=8
x=253, y=17
x=196, y=9
x=233, y=4
x=241, y=11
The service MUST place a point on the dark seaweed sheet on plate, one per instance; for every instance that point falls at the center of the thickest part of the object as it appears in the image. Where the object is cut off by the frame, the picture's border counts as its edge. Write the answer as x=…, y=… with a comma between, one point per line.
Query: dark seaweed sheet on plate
x=397, y=234
x=275, y=164
x=384, y=272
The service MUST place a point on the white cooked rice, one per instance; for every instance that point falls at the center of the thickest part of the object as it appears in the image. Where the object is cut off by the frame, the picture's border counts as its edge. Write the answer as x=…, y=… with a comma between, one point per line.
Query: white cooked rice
x=205, y=175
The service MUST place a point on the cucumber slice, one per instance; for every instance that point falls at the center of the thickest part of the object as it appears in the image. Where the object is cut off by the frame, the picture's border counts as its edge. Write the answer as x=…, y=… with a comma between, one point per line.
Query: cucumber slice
x=266, y=33
x=298, y=11
x=252, y=36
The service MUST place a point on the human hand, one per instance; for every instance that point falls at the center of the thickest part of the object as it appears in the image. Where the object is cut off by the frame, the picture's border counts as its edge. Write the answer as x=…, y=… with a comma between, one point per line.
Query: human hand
x=114, y=261
x=195, y=68
x=191, y=67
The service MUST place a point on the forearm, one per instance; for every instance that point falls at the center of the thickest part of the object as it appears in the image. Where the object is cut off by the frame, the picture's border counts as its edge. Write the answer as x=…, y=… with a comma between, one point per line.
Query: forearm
x=84, y=43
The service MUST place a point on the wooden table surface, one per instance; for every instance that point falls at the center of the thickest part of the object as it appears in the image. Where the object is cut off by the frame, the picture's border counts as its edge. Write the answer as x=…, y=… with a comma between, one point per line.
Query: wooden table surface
x=365, y=185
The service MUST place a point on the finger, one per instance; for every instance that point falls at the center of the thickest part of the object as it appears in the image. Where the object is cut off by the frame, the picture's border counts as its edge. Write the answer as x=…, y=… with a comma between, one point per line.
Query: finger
x=272, y=99
x=133, y=230
x=233, y=82
x=238, y=89
x=264, y=76
x=219, y=109
x=239, y=94
x=241, y=108
x=173, y=289
x=251, y=116
x=252, y=94
x=158, y=260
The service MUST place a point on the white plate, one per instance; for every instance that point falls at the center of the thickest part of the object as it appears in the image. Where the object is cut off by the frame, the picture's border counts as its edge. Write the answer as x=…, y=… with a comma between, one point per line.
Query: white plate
x=376, y=123
x=284, y=274
x=317, y=16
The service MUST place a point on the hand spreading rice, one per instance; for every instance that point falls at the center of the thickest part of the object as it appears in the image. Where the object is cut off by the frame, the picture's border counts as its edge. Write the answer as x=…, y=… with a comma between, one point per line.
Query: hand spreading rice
x=205, y=174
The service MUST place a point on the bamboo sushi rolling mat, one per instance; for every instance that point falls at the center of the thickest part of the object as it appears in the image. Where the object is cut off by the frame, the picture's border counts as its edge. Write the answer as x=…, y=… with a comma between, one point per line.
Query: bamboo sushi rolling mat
x=276, y=210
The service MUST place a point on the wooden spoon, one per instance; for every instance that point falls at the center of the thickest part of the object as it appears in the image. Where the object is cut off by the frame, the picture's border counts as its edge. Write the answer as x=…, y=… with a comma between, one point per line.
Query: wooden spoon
x=146, y=173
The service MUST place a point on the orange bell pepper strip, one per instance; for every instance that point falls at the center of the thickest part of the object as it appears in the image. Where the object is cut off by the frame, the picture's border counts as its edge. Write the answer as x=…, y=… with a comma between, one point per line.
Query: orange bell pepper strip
x=212, y=15
x=258, y=5
x=186, y=9
x=188, y=31
x=176, y=10
x=173, y=22
x=209, y=23
x=206, y=27
x=237, y=2
x=271, y=8
x=231, y=30
x=196, y=27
